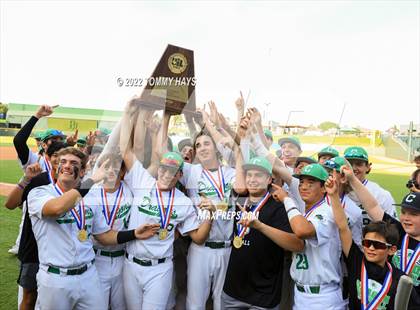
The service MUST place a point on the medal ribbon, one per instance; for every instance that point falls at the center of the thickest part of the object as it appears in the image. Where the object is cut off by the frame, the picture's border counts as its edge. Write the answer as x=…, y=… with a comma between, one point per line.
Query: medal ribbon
x=242, y=229
x=341, y=200
x=49, y=169
x=79, y=215
x=165, y=215
x=381, y=294
x=110, y=218
x=365, y=182
x=219, y=187
x=407, y=265
x=309, y=212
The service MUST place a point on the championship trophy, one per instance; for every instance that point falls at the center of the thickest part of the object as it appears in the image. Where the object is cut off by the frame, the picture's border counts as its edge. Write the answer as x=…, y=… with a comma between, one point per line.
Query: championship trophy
x=171, y=87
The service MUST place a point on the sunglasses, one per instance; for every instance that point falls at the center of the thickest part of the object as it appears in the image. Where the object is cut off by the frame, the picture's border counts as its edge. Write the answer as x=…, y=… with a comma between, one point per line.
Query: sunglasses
x=378, y=245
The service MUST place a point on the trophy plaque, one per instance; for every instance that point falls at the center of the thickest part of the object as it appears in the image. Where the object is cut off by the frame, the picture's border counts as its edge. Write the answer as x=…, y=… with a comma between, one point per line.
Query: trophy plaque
x=171, y=85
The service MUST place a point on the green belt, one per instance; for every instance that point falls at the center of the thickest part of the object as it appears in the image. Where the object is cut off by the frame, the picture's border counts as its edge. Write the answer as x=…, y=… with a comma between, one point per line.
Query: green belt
x=313, y=289
x=110, y=253
x=216, y=245
x=145, y=262
x=70, y=272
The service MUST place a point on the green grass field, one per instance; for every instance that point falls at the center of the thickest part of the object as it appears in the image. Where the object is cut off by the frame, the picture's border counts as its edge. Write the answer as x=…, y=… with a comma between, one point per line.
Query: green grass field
x=10, y=172
x=9, y=264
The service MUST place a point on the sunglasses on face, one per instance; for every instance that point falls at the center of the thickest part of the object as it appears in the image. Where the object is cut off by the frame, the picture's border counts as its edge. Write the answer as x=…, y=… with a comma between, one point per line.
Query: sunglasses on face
x=378, y=245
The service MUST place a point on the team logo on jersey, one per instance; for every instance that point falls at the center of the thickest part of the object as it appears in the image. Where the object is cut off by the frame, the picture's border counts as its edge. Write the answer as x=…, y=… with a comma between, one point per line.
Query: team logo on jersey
x=373, y=290
x=153, y=210
x=123, y=211
x=319, y=217
x=209, y=191
x=415, y=274
x=67, y=218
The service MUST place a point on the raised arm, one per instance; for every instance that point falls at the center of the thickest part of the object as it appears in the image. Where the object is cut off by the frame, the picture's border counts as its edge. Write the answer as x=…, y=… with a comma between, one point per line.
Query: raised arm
x=331, y=186
x=19, y=141
x=369, y=202
x=240, y=186
x=126, y=131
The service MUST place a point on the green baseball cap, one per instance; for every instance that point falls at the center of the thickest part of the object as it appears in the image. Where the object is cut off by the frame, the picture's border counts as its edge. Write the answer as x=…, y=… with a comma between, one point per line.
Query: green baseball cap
x=328, y=151
x=356, y=152
x=291, y=139
x=335, y=163
x=313, y=170
x=172, y=160
x=82, y=141
x=303, y=159
x=51, y=133
x=259, y=163
x=38, y=135
x=268, y=133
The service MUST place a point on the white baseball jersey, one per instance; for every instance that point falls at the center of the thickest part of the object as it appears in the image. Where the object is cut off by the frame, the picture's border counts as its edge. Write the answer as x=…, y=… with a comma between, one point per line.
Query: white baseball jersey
x=145, y=209
x=319, y=263
x=197, y=183
x=57, y=240
x=382, y=196
x=113, y=209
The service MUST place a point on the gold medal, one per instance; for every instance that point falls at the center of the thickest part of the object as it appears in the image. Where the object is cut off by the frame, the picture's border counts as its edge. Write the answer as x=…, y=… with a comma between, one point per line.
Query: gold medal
x=163, y=233
x=82, y=235
x=237, y=242
x=223, y=206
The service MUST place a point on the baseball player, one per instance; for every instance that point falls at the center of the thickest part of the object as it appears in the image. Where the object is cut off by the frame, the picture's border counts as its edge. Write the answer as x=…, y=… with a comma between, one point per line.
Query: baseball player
x=255, y=271
x=62, y=223
x=290, y=151
x=302, y=162
x=148, y=268
x=207, y=263
x=407, y=257
x=185, y=147
x=317, y=269
x=373, y=280
x=327, y=153
x=358, y=158
x=111, y=202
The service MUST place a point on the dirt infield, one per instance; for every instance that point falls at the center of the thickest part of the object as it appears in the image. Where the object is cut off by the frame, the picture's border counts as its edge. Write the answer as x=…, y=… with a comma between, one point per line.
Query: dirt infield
x=5, y=189
x=7, y=153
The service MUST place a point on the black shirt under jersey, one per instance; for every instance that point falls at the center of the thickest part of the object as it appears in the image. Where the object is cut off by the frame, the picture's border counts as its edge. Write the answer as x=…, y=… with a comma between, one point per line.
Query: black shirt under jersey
x=377, y=275
x=412, y=244
x=255, y=271
x=28, y=249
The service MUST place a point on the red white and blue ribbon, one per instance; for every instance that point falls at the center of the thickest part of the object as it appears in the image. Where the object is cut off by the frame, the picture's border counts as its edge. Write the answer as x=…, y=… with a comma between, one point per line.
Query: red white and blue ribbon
x=80, y=214
x=49, y=169
x=379, y=297
x=165, y=215
x=219, y=187
x=407, y=265
x=312, y=209
x=111, y=216
x=341, y=200
x=365, y=182
x=255, y=209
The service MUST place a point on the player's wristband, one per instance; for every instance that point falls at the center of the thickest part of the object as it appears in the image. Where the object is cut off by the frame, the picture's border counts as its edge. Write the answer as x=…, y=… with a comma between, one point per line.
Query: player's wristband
x=125, y=236
x=290, y=207
x=85, y=187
